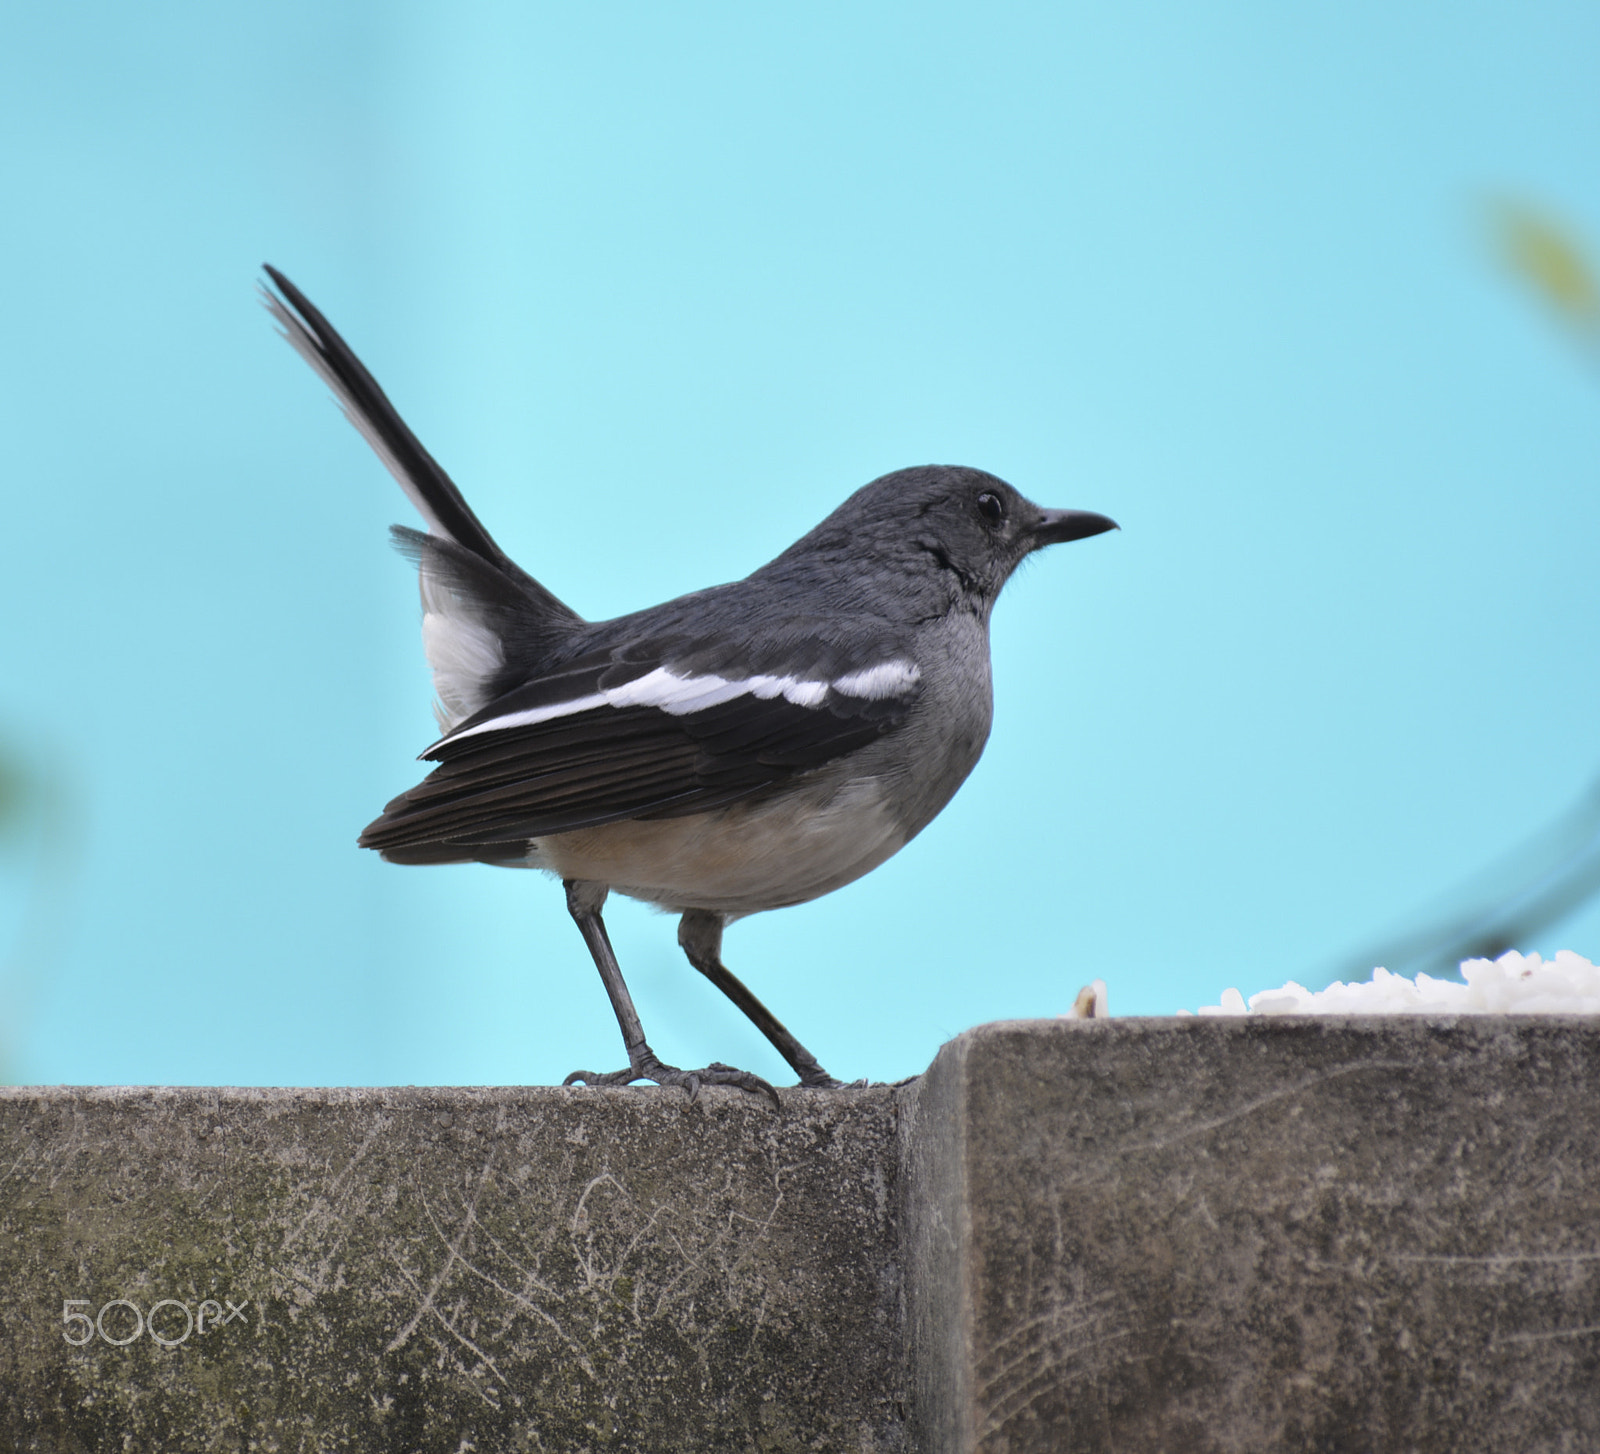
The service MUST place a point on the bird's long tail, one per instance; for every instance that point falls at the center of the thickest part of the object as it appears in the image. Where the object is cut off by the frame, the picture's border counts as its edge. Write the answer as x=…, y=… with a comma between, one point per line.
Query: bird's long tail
x=421, y=476
x=486, y=622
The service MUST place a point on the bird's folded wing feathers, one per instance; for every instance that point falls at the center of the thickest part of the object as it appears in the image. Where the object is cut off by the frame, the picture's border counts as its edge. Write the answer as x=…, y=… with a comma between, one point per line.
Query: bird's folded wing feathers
x=606, y=738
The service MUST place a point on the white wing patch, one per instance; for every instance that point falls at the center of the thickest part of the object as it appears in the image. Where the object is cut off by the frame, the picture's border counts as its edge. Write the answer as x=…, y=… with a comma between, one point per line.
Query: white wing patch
x=680, y=695
x=887, y=679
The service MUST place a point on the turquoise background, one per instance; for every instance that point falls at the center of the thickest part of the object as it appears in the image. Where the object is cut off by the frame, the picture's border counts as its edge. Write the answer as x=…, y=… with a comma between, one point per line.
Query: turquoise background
x=660, y=285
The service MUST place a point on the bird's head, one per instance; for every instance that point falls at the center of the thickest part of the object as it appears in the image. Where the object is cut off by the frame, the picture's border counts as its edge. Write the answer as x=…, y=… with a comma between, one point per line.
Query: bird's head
x=963, y=530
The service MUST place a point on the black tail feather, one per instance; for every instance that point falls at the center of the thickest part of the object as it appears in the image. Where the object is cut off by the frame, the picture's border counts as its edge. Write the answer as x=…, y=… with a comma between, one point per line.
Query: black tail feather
x=485, y=585
x=421, y=476
x=501, y=855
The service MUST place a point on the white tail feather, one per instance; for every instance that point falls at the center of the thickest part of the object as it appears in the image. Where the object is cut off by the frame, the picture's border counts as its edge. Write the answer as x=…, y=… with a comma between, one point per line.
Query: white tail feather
x=463, y=652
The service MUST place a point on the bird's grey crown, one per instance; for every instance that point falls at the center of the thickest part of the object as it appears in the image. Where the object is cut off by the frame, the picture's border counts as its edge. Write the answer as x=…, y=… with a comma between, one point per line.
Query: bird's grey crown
x=911, y=540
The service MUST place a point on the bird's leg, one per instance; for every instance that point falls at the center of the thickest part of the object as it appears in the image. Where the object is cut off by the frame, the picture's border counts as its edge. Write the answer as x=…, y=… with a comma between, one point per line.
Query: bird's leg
x=700, y=934
x=584, y=901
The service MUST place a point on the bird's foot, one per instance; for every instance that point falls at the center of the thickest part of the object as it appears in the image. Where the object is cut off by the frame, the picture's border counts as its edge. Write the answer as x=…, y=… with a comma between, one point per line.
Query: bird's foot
x=819, y=1079
x=647, y=1067
x=814, y=1077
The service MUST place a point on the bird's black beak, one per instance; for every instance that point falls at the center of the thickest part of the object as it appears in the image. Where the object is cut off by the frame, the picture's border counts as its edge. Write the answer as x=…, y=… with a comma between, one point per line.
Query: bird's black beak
x=1055, y=526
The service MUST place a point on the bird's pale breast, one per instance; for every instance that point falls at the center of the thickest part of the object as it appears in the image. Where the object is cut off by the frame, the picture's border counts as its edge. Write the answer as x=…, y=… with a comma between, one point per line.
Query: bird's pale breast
x=743, y=858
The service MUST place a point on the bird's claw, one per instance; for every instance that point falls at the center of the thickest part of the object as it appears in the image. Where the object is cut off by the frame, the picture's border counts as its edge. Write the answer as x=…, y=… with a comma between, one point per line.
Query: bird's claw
x=650, y=1068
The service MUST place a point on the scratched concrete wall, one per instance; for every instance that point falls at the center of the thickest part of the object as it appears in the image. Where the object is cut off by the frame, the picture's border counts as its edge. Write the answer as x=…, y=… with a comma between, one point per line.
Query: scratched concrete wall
x=1375, y=1234
x=1131, y=1236
x=444, y=1270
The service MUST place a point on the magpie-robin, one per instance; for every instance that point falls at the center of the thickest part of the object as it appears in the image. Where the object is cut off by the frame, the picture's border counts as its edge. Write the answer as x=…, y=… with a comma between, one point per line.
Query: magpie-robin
x=741, y=748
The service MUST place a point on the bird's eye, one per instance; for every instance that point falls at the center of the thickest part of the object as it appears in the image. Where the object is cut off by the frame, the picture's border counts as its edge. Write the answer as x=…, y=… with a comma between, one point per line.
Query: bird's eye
x=991, y=507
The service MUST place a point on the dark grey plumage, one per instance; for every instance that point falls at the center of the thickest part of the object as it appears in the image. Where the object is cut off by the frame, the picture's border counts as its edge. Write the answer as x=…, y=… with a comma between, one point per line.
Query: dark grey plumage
x=740, y=748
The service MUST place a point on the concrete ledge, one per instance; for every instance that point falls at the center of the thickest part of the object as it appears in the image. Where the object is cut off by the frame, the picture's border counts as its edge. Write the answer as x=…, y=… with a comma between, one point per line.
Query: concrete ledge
x=445, y=1270
x=1197, y=1235
x=1209, y=1235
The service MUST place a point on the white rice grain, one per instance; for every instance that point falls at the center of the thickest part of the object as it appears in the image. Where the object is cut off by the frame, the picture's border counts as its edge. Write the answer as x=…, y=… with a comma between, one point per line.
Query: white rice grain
x=1513, y=984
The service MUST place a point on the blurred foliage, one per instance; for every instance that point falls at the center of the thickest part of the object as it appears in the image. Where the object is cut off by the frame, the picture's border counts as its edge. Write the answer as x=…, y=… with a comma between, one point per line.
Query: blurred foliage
x=39, y=826
x=1546, y=254
x=1558, y=870
x=14, y=794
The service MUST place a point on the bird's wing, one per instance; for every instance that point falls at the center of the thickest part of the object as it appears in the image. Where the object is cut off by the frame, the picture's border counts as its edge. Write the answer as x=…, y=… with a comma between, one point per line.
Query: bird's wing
x=640, y=733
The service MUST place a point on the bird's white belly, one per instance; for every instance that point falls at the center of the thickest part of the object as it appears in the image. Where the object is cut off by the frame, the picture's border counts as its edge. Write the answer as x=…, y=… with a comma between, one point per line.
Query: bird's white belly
x=740, y=859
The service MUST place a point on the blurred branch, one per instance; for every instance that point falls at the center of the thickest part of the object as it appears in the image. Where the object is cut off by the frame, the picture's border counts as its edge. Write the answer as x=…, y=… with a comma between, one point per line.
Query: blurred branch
x=1539, y=884
x=1558, y=870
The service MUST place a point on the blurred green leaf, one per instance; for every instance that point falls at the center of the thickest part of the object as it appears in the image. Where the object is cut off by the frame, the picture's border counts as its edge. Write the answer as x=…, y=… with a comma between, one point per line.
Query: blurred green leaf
x=1546, y=254
x=40, y=829
x=16, y=788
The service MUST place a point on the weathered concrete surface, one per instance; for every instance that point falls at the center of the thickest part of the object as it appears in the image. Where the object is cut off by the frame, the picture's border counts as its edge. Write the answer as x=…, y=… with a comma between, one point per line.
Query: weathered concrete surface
x=446, y=1270
x=1128, y=1236
x=1274, y=1235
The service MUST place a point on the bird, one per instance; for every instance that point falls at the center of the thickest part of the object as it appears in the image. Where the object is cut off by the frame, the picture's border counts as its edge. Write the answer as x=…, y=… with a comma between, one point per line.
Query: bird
x=745, y=747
